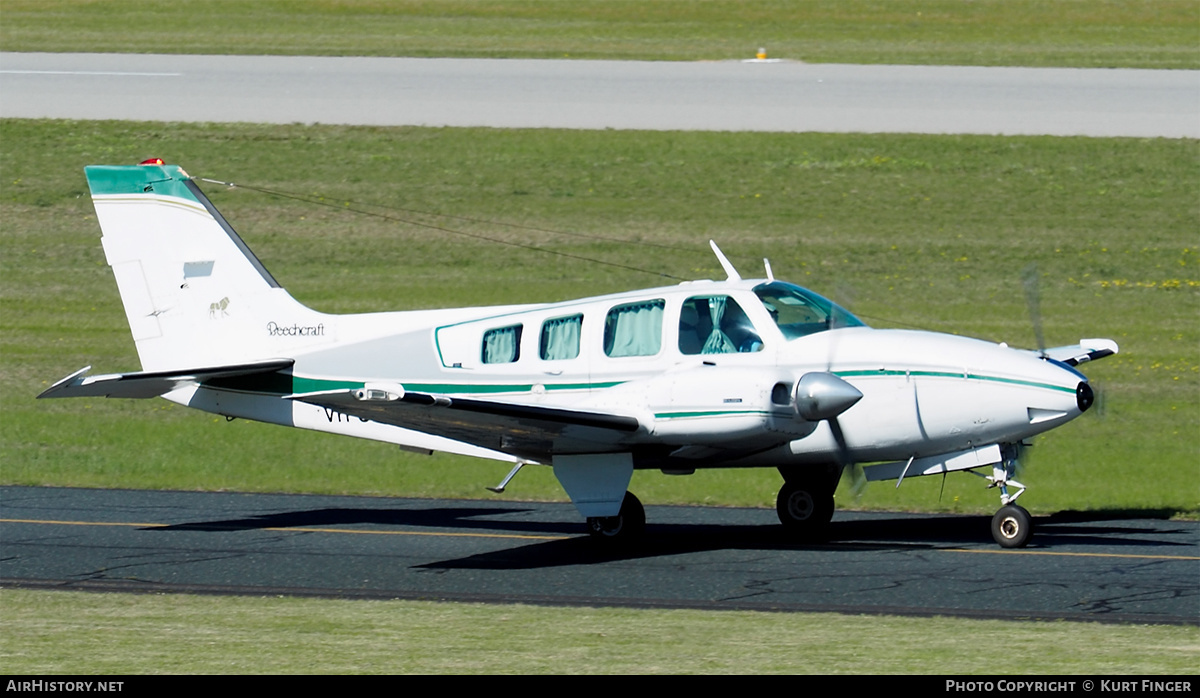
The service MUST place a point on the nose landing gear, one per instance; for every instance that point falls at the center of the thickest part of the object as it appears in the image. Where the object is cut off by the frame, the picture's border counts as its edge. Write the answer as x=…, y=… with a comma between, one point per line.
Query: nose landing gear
x=1012, y=526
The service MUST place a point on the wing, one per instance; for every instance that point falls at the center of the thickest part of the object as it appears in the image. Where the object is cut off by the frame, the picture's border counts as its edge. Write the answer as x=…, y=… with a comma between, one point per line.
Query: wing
x=147, y=384
x=1086, y=350
x=533, y=432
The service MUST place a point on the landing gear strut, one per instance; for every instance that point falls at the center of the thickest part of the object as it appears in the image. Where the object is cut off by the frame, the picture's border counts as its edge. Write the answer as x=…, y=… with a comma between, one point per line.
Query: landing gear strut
x=628, y=524
x=805, y=507
x=1012, y=526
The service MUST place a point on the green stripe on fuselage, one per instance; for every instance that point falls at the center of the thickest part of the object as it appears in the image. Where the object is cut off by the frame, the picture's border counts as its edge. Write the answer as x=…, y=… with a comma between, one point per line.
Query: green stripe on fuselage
x=286, y=384
x=709, y=413
x=951, y=374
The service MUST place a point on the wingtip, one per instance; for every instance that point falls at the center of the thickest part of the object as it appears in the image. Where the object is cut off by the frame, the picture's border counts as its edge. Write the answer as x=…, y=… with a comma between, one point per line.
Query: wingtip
x=60, y=384
x=1097, y=344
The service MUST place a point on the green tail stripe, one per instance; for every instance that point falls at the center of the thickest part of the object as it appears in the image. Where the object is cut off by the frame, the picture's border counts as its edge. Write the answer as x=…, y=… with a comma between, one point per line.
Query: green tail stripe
x=164, y=180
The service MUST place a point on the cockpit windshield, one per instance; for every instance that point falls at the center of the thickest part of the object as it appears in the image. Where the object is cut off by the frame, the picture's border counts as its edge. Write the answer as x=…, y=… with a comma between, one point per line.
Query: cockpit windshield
x=800, y=312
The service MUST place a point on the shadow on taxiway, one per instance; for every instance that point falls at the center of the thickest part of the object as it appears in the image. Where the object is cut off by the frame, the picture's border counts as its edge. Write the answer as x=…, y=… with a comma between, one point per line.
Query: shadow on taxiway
x=466, y=517
x=879, y=532
x=859, y=531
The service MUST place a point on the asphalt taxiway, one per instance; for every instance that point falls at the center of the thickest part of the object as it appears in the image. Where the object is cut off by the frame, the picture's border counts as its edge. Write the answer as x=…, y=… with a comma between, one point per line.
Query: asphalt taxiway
x=1081, y=568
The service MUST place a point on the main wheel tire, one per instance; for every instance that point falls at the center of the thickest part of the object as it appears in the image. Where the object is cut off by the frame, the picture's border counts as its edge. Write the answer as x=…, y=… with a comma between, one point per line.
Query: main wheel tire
x=629, y=523
x=1012, y=526
x=805, y=510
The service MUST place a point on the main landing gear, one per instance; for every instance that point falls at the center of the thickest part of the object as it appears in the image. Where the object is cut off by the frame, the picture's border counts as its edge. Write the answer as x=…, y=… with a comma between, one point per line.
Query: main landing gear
x=805, y=505
x=627, y=525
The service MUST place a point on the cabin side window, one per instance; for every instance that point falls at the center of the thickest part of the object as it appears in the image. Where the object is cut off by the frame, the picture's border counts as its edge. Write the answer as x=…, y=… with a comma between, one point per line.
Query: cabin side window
x=716, y=325
x=502, y=345
x=560, y=338
x=634, y=329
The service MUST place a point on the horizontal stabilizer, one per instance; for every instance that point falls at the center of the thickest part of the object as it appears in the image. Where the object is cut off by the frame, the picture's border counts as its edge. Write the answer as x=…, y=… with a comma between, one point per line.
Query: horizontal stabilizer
x=1086, y=350
x=146, y=384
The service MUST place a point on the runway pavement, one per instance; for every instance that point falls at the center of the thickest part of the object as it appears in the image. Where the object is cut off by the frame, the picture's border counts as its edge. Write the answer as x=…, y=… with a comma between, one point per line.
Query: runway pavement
x=1093, y=568
x=726, y=96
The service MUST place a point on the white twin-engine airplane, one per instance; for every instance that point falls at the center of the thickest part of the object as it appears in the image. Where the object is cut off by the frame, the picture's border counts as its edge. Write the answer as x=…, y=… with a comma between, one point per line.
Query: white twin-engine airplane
x=706, y=374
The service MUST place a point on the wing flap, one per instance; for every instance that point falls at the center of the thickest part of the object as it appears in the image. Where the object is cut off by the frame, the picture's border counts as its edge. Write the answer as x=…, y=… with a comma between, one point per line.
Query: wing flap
x=147, y=384
x=520, y=429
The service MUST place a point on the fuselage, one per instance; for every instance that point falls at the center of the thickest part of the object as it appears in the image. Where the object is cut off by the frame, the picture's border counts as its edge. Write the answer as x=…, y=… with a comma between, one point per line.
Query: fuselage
x=707, y=368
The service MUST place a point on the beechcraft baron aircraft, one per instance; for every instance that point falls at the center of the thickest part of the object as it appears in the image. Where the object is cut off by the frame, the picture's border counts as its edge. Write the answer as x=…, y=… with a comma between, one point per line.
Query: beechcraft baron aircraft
x=706, y=374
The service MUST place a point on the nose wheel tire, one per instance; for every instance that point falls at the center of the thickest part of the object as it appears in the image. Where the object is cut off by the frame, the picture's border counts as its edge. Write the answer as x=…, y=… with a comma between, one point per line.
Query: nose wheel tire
x=628, y=524
x=804, y=510
x=1012, y=526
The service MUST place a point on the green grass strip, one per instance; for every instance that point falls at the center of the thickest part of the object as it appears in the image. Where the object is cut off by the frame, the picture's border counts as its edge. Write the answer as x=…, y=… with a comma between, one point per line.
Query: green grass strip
x=1073, y=33
x=54, y=633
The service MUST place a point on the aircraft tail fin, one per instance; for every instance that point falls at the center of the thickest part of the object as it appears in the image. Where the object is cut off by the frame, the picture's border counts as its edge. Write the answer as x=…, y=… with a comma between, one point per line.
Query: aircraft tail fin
x=194, y=293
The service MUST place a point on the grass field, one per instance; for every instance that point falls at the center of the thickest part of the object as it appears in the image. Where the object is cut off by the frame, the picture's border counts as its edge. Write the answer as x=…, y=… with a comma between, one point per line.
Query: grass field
x=178, y=634
x=1075, y=33
x=911, y=231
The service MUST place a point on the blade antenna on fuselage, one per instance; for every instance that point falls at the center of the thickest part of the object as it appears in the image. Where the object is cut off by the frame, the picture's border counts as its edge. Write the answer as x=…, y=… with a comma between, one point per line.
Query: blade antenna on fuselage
x=730, y=272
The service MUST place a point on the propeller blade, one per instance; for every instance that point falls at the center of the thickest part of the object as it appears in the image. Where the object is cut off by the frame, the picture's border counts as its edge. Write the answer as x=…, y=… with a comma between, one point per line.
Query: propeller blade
x=1029, y=279
x=1098, y=404
x=858, y=477
x=824, y=396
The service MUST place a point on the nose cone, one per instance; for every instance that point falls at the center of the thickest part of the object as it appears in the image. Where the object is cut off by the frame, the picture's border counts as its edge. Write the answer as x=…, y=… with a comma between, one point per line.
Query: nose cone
x=1084, y=397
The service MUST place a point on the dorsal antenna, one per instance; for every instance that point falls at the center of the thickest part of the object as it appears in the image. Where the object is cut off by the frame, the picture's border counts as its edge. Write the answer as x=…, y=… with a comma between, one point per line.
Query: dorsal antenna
x=730, y=272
